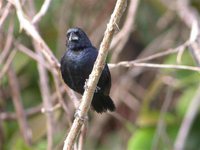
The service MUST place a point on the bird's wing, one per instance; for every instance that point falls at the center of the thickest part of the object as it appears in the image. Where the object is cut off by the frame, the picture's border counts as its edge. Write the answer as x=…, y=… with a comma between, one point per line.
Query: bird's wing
x=105, y=80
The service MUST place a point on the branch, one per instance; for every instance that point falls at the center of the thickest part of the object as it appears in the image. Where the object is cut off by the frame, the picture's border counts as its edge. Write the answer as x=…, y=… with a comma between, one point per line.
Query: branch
x=150, y=65
x=23, y=124
x=8, y=42
x=191, y=18
x=5, y=13
x=42, y=11
x=31, y=30
x=7, y=63
x=95, y=75
x=46, y=98
x=189, y=117
x=120, y=40
x=31, y=54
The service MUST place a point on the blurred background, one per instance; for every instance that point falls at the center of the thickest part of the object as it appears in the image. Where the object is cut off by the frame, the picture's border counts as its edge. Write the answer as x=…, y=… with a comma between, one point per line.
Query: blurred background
x=157, y=108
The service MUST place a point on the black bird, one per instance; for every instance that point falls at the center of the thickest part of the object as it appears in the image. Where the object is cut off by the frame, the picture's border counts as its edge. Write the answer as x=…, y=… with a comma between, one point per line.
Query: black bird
x=77, y=64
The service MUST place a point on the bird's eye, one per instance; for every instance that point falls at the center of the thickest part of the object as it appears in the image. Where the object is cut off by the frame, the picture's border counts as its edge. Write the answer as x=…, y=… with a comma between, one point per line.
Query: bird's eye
x=77, y=33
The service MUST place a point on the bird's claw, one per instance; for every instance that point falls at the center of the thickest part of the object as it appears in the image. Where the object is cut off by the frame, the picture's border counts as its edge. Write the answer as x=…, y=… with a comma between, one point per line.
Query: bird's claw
x=97, y=89
x=78, y=115
x=86, y=86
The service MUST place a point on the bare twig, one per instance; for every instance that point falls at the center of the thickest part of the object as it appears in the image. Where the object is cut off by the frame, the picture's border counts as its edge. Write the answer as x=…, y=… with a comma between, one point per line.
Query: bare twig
x=31, y=30
x=82, y=137
x=60, y=98
x=195, y=41
x=8, y=42
x=187, y=121
x=28, y=112
x=5, y=13
x=163, y=53
x=25, y=130
x=32, y=55
x=42, y=11
x=47, y=100
x=150, y=65
x=7, y=63
x=94, y=76
x=122, y=37
x=191, y=18
x=161, y=125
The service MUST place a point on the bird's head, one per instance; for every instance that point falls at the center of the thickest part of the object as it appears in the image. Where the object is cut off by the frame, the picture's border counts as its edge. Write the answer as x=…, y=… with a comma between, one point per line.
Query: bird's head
x=77, y=39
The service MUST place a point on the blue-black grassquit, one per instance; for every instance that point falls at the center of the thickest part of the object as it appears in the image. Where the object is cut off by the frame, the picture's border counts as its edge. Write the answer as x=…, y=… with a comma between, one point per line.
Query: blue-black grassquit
x=77, y=64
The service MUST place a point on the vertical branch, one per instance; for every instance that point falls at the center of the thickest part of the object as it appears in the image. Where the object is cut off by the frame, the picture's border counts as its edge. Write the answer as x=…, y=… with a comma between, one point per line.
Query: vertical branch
x=82, y=137
x=8, y=42
x=95, y=75
x=60, y=98
x=161, y=125
x=45, y=96
x=21, y=117
x=43, y=76
x=7, y=64
x=191, y=19
x=45, y=91
x=122, y=37
x=5, y=13
x=192, y=111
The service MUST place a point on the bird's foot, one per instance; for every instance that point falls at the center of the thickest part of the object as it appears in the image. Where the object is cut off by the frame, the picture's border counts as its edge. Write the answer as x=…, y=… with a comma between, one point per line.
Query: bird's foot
x=97, y=89
x=78, y=115
x=86, y=87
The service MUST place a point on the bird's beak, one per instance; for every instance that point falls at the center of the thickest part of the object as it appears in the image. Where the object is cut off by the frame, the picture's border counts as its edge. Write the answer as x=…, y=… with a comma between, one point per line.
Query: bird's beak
x=73, y=37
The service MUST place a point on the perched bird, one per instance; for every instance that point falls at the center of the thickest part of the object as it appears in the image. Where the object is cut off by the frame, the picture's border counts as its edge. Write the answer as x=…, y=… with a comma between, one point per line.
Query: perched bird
x=77, y=64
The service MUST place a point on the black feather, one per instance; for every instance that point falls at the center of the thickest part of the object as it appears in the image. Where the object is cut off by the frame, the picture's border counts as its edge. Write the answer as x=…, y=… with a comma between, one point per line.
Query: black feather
x=77, y=64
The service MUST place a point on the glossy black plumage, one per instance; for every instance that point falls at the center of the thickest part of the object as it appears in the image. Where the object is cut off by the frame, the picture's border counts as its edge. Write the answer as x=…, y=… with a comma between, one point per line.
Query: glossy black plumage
x=77, y=64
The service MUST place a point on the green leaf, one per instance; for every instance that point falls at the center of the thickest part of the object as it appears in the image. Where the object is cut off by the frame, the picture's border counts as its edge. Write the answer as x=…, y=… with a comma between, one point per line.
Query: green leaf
x=184, y=100
x=142, y=139
x=19, y=144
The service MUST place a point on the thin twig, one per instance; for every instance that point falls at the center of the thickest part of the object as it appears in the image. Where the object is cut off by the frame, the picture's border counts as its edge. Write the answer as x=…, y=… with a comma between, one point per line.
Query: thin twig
x=60, y=98
x=191, y=113
x=7, y=63
x=12, y=116
x=8, y=43
x=122, y=37
x=5, y=13
x=161, y=125
x=31, y=30
x=30, y=111
x=32, y=55
x=163, y=53
x=191, y=18
x=150, y=65
x=95, y=75
x=42, y=11
x=82, y=137
x=24, y=128
x=47, y=100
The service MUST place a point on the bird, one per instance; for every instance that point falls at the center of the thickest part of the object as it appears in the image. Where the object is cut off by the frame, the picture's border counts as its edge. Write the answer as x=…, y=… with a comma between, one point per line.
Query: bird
x=77, y=64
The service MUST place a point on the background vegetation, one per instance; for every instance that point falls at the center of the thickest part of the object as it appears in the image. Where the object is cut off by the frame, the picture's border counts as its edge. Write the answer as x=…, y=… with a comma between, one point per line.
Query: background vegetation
x=154, y=61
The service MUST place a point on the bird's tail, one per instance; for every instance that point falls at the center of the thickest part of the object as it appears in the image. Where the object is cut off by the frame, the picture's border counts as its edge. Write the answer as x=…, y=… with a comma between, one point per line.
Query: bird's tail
x=102, y=103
